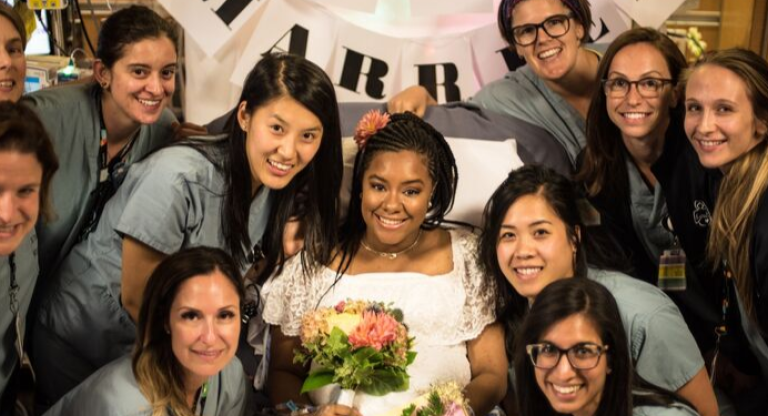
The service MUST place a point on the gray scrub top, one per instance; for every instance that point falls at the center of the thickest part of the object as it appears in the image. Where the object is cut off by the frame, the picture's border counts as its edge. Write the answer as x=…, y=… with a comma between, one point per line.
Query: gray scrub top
x=522, y=94
x=675, y=410
x=113, y=391
x=661, y=344
x=648, y=211
x=25, y=259
x=71, y=117
x=169, y=201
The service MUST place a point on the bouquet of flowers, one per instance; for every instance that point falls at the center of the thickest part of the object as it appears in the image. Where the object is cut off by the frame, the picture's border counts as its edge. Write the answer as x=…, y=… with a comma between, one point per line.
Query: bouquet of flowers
x=444, y=399
x=361, y=346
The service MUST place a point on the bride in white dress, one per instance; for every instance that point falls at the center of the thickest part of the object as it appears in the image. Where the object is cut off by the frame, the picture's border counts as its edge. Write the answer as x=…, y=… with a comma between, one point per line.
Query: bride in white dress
x=393, y=250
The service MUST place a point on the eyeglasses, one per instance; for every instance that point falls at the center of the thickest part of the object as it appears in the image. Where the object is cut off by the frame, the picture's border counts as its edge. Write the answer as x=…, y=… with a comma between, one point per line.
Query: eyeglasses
x=646, y=87
x=582, y=356
x=555, y=26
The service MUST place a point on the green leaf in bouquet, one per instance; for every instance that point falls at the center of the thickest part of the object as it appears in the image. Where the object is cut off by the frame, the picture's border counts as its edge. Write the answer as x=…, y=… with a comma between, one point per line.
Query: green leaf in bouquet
x=337, y=341
x=408, y=411
x=316, y=379
x=385, y=381
x=367, y=356
x=410, y=356
x=397, y=314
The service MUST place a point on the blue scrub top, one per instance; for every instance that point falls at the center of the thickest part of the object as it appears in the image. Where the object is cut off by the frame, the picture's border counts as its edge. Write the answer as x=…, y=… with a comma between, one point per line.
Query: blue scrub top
x=170, y=201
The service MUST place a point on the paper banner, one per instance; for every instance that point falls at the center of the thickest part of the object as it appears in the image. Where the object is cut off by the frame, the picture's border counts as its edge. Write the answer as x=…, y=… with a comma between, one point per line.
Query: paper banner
x=442, y=66
x=290, y=26
x=483, y=165
x=421, y=8
x=649, y=13
x=609, y=22
x=365, y=64
x=366, y=6
x=489, y=49
x=211, y=23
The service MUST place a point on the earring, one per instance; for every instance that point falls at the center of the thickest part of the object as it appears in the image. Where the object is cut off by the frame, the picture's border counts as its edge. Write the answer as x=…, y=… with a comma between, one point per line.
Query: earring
x=429, y=206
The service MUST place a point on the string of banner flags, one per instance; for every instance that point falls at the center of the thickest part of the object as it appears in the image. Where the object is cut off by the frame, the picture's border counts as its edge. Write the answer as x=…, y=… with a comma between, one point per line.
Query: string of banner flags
x=367, y=65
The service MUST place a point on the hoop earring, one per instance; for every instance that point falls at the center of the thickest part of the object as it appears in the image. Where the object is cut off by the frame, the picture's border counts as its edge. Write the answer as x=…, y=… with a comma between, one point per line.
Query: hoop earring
x=104, y=85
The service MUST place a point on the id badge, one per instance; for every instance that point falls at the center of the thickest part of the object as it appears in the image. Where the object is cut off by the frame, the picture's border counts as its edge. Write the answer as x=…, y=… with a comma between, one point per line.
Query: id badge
x=672, y=270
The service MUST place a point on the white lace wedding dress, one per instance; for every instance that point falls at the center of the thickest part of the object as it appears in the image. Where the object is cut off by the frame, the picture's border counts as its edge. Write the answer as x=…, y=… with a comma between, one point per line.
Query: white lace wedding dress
x=442, y=313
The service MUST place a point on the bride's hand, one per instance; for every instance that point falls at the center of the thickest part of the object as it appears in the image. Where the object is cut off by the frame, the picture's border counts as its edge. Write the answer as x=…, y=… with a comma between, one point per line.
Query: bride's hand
x=336, y=410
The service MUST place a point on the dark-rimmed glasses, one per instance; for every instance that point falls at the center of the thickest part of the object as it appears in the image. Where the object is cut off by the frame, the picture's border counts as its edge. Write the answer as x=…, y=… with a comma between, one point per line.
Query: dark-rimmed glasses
x=554, y=26
x=646, y=87
x=583, y=356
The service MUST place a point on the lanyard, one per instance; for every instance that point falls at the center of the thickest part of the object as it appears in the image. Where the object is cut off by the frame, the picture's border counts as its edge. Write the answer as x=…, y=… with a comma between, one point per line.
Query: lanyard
x=13, y=287
x=110, y=175
x=722, y=329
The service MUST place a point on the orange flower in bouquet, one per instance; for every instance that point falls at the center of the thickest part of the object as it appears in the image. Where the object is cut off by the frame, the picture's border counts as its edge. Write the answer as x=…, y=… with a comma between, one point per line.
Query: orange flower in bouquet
x=361, y=346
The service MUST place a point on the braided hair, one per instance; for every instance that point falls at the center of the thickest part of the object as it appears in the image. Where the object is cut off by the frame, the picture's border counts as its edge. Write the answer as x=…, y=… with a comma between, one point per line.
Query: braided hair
x=404, y=132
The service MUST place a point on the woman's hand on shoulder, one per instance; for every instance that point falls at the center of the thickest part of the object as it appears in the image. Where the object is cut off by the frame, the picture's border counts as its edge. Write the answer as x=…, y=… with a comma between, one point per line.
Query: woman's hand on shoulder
x=415, y=99
x=186, y=130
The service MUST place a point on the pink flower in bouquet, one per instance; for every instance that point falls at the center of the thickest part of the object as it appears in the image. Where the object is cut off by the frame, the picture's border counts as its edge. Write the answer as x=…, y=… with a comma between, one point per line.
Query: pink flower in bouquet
x=371, y=122
x=455, y=409
x=340, y=307
x=376, y=330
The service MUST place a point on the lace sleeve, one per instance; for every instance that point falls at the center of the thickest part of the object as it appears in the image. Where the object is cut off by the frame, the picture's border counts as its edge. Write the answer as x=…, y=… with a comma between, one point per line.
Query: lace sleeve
x=480, y=291
x=290, y=294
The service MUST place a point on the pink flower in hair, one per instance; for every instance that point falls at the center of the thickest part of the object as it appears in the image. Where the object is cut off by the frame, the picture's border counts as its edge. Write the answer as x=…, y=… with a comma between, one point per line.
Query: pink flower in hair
x=371, y=122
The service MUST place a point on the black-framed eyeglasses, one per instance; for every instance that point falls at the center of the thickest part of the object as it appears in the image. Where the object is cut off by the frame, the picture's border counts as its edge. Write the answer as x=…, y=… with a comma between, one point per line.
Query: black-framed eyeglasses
x=582, y=356
x=554, y=26
x=646, y=87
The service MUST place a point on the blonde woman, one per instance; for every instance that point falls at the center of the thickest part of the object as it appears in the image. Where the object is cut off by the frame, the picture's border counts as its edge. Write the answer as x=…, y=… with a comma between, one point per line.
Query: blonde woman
x=721, y=213
x=184, y=361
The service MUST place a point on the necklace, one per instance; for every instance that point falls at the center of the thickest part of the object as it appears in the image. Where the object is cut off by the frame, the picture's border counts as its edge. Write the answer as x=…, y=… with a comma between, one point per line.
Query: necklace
x=392, y=256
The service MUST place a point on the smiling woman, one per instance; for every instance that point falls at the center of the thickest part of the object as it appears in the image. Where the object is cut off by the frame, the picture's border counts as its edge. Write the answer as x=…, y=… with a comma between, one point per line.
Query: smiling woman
x=184, y=360
x=554, y=88
x=393, y=250
x=27, y=164
x=572, y=358
x=630, y=120
x=282, y=157
x=13, y=63
x=720, y=175
x=534, y=234
x=100, y=128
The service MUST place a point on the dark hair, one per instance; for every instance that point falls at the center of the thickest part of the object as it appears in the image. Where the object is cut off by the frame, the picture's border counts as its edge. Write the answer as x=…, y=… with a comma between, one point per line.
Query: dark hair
x=563, y=197
x=580, y=8
x=158, y=372
x=404, y=132
x=131, y=25
x=313, y=194
x=22, y=131
x=9, y=13
x=558, y=301
x=603, y=166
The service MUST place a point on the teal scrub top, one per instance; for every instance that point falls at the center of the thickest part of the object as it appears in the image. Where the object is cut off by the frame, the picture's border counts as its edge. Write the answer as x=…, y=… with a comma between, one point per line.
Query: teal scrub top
x=25, y=259
x=522, y=94
x=71, y=117
x=660, y=343
x=113, y=391
x=169, y=201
